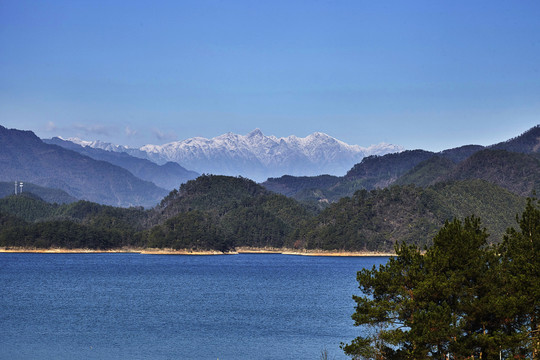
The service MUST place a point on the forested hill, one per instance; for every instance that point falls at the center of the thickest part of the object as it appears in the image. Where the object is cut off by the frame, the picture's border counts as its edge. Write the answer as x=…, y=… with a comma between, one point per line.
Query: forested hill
x=428, y=172
x=516, y=172
x=519, y=173
x=221, y=213
x=527, y=143
x=377, y=219
x=371, y=173
x=28, y=221
x=292, y=185
x=381, y=171
x=235, y=211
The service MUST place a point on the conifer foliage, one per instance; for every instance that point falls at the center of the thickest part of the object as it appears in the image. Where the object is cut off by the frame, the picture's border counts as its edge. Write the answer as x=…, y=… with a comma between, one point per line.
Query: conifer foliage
x=461, y=299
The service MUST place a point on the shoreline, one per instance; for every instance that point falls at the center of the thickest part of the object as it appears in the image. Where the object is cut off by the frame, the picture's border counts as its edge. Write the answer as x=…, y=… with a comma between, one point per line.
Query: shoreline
x=240, y=250
x=287, y=251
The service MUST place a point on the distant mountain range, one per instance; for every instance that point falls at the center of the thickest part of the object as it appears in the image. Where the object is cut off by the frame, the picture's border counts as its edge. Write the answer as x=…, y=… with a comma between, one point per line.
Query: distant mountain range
x=168, y=176
x=255, y=155
x=25, y=157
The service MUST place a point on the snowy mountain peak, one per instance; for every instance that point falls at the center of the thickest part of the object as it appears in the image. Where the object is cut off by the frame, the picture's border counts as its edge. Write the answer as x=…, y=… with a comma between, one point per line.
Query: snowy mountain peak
x=255, y=133
x=256, y=155
x=98, y=144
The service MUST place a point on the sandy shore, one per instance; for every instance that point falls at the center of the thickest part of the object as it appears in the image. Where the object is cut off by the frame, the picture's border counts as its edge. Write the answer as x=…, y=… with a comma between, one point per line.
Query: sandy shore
x=65, y=251
x=285, y=251
x=241, y=250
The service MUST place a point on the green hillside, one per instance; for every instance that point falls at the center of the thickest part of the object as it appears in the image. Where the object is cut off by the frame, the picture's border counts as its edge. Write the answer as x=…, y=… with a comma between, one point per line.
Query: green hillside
x=292, y=185
x=27, y=207
x=376, y=220
x=381, y=171
x=517, y=172
x=235, y=211
x=428, y=172
x=28, y=221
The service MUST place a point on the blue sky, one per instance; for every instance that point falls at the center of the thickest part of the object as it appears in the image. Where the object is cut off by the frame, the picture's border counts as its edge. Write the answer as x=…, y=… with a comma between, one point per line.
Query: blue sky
x=421, y=74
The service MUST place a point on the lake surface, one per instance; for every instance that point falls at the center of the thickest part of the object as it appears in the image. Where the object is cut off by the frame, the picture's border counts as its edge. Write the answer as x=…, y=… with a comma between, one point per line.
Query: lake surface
x=132, y=306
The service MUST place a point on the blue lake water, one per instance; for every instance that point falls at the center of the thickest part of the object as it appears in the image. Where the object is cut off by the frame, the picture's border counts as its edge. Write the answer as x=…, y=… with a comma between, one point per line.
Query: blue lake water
x=131, y=306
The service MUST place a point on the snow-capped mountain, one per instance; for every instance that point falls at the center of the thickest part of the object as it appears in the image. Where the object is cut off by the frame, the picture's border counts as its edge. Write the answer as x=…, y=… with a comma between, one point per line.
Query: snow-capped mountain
x=255, y=155
x=96, y=144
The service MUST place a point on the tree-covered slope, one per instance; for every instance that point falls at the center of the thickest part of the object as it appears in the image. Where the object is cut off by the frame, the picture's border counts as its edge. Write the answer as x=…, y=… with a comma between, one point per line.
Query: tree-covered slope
x=221, y=213
x=527, y=143
x=292, y=185
x=376, y=220
x=428, y=172
x=28, y=221
x=420, y=167
x=31, y=208
x=27, y=207
x=381, y=171
x=210, y=213
x=460, y=153
x=237, y=211
x=517, y=172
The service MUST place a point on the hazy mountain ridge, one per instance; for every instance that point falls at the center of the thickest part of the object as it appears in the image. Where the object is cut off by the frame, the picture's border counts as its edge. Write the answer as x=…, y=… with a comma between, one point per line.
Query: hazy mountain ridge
x=255, y=155
x=371, y=173
x=516, y=172
x=25, y=157
x=168, y=176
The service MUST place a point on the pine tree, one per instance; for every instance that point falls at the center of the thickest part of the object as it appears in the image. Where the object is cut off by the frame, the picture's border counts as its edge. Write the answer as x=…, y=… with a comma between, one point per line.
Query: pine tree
x=520, y=259
x=462, y=299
